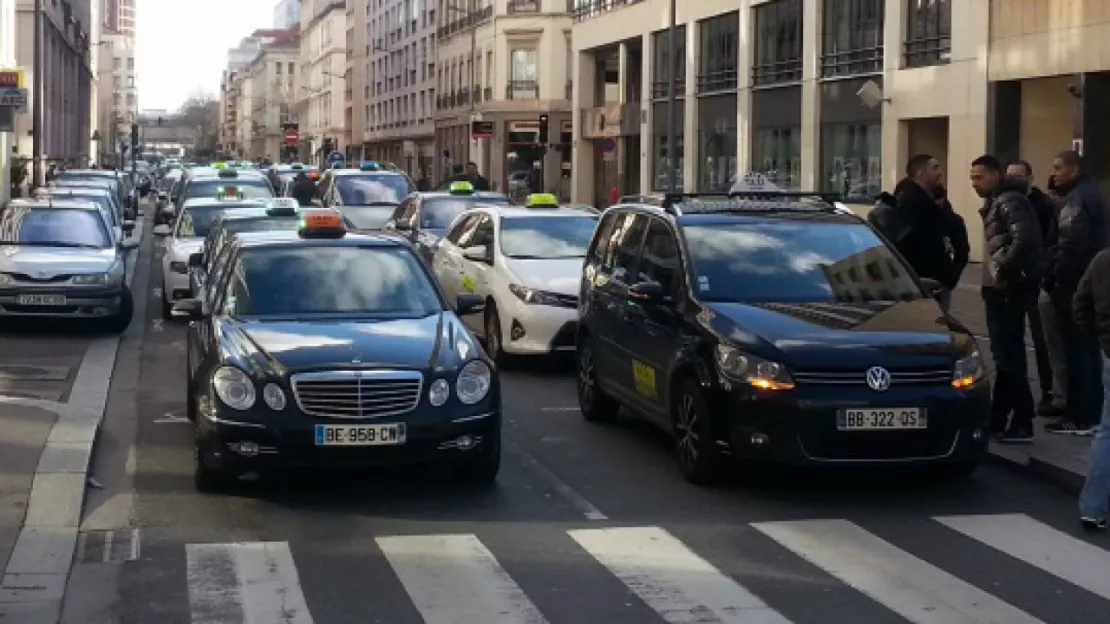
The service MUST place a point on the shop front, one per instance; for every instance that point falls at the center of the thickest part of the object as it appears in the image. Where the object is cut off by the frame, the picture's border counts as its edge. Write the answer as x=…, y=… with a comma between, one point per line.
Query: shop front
x=614, y=132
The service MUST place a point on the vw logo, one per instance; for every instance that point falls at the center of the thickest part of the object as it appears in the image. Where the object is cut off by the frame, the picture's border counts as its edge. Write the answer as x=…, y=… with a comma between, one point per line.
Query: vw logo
x=878, y=378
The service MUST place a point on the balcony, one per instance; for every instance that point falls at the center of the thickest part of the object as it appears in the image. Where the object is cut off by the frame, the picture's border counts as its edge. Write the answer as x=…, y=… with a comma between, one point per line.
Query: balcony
x=588, y=9
x=465, y=22
x=522, y=90
x=524, y=6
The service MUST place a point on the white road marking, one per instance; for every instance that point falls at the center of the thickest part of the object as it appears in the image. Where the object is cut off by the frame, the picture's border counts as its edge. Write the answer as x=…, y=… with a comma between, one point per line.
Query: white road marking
x=245, y=583
x=679, y=585
x=903, y=583
x=135, y=548
x=1041, y=546
x=156, y=324
x=585, y=507
x=107, y=555
x=455, y=579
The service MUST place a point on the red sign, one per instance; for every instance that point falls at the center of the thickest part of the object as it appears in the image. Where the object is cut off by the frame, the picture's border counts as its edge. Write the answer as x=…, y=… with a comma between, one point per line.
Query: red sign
x=9, y=79
x=291, y=136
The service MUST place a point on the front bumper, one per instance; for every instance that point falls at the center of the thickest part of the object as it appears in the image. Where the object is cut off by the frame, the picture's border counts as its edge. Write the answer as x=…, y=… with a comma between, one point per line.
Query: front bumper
x=529, y=329
x=799, y=427
x=94, y=302
x=287, y=439
x=175, y=285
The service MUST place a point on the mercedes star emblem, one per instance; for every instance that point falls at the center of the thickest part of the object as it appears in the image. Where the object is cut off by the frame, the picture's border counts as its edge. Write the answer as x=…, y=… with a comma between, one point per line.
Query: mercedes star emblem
x=878, y=378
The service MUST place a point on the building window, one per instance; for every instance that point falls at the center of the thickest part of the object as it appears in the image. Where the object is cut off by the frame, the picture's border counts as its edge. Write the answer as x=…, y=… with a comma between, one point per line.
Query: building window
x=778, y=43
x=777, y=154
x=131, y=63
x=851, y=160
x=720, y=53
x=662, y=162
x=716, y=143
x=523, y=75
x=852, y=41
x=661, y=74
x=928, y=32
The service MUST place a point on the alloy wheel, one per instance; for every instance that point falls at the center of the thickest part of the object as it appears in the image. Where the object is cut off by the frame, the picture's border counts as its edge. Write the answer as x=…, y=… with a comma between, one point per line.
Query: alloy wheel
x=586, y=376
x=687, y=425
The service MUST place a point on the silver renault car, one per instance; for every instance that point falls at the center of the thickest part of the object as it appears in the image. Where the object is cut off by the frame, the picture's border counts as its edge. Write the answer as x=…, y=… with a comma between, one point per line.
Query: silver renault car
x=59, y=259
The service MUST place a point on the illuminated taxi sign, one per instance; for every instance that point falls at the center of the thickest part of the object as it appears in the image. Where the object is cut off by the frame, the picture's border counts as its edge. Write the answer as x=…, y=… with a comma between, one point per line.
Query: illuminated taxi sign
x=461, y=188
x=218, y=165
x=296, y=167
x=369, y=165
x=541, y=200
x=228, y=192
x=282, y=207
x=227, y=173
x=321, y=224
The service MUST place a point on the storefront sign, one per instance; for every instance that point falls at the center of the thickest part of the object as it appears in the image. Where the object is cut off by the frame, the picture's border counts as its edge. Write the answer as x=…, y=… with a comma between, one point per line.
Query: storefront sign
x=481, y=129
x=11, y=78
x=14, y=98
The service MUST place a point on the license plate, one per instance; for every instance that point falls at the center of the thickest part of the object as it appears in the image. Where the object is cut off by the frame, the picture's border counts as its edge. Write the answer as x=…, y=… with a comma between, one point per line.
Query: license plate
x=42, y=300
x=360, y=435
x=881, y=419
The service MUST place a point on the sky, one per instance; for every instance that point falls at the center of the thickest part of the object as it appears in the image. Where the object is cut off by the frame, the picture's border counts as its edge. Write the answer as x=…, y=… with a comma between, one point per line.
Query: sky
x=181, y=47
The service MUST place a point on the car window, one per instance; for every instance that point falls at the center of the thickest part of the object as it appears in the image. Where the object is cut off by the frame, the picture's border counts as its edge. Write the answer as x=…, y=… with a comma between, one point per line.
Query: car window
x=792, y=261
x=366, y=217
x=546, y=237
x=331, y=280
x=461, y=227
x=56, y=227
x=624, y=247
x=659, y=260
x=437, y=213
x=216, y=273
x=251, y=188
x=196, y=221
x=602, y=236
x=370, y=188
x=483, y=233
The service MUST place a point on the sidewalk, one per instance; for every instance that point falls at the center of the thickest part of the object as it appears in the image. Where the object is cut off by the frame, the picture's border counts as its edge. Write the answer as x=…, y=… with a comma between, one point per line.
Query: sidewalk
x=1060, y=459
x=23, y=433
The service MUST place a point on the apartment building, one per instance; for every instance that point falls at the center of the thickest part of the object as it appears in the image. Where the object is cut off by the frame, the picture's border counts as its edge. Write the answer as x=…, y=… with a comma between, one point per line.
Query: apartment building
x=500, y=65
x=267, y=98
x=393, y=63
x=118, y=16
x=322, y=65
x=118, y=107
x=229, y=114
x=287, y=14
x=835, y=94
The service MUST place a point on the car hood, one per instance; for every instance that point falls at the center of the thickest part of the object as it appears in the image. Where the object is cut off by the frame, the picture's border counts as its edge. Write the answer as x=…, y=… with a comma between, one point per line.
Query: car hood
x=283, y=347
x=839, y=335
x=49, y=262
x=561, y=276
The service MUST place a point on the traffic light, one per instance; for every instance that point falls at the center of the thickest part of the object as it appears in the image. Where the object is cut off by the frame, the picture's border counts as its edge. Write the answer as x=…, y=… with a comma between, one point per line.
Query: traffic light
x=543, y=130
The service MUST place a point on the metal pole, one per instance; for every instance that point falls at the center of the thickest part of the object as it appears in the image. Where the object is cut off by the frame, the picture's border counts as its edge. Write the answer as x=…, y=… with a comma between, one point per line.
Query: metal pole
x=672, y=96
x=473, y=53
x=38, y=87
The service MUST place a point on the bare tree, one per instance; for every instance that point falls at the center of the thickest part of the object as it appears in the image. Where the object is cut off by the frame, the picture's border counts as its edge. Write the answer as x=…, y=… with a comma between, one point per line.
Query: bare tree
x=201, y=111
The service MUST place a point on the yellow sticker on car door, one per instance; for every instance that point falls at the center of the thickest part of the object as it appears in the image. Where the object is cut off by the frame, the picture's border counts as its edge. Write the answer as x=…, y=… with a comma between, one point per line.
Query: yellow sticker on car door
x=644, y=376
x=469, y=284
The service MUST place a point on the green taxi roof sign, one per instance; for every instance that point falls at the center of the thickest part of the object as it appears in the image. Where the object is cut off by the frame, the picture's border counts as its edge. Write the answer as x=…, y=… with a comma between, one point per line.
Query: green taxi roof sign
x=227, y=173
x=282, y=207
x=541, y=200
x=461, y=188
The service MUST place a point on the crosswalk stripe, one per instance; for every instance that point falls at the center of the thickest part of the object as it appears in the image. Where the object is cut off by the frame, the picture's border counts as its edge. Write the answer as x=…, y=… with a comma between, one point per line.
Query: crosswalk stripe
x=1039, y=545
x=455, y=579
x=903, y=583
x=244, y=583
x=671, y=579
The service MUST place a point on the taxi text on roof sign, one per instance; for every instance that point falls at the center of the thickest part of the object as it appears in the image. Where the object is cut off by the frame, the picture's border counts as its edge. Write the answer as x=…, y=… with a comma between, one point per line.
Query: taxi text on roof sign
x=280, y=206
x=461, y=188
x=321, y=224
x=541, y=200
x=228, y=192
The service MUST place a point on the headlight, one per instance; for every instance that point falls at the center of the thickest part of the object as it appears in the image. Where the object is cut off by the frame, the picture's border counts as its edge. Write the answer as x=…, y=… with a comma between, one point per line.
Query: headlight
x=178, y=266
x=93, y=278
x=473, y=382
x=755, y=371
x=234, y=387
x=439, y=392
x=274, y=396
x=968, y=371
x=5, y=279
x=534, y=297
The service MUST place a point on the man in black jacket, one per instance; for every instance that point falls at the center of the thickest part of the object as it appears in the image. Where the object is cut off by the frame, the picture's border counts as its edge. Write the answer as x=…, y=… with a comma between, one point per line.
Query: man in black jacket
x=1092, y=315
x=304, y=189
x=1079, y=234
x=923, y=245
x=1012, y=266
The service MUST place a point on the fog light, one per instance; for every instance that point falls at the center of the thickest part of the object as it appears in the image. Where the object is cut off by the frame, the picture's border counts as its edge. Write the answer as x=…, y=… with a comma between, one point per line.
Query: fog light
x=978, y=435
x=465, y=443
x=517, y=331
x=100, y=310
x=759, y=439
x=246, y=449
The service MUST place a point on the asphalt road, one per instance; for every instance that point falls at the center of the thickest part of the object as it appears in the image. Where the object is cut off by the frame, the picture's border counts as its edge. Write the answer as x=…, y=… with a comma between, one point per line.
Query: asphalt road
x=587, y=524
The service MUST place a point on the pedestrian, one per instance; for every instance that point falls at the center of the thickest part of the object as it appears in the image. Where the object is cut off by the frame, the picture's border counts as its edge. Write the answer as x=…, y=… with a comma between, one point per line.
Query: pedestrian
x=914, y=224
x=1079, y=234
x=478, y=180
x=1012, y=266
x=1042, y=315
x=1092, y=315
x=304, y=189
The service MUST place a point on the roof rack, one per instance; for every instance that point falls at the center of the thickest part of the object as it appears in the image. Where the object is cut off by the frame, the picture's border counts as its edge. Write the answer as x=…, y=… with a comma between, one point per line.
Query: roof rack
x=678, y=204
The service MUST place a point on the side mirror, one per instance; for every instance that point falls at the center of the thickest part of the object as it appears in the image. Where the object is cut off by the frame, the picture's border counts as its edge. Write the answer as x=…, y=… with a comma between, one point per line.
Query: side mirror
x=477, y=253
x=129, y=243
x=188, y=308
x=196, y=260
x=935, y=289
x=128, y=226
x=162, y=230
x=402, y=226
x=468, y=304
x=163, y=197
x=647, y=292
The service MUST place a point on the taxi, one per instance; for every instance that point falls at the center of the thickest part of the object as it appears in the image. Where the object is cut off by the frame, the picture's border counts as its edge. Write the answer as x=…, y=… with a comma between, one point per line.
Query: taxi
x=206, y=182
x=423, y=218
x=366, y=195
x=295, y=361
x=526, y=263
x=186, y=236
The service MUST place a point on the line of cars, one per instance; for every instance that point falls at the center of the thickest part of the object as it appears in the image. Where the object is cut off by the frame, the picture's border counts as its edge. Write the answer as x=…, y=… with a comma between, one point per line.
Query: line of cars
x=766, y=326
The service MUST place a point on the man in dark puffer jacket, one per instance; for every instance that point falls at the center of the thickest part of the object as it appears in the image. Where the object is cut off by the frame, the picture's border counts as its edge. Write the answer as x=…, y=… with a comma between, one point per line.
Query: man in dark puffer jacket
x=1012, y=265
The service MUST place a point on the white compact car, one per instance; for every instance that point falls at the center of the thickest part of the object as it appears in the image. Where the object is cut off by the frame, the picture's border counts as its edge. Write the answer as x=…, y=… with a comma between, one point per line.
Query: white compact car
x=527, y=263
x=186, y=237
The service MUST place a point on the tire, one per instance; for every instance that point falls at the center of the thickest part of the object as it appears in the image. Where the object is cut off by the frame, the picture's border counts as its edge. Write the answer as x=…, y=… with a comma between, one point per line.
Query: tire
x=207, y=479
x=593, y=403
x=122, y=320
x=695, y=451
x=190, y=391
x=483, y=468
x=167, y=307
x=493, y=336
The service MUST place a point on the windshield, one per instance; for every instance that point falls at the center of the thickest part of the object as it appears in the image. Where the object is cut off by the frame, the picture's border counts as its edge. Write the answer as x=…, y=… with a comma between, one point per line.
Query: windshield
x=196, y=221
x=56, y=227
x=438, y=213
x=785, y=261
x=91, y=181
x=251, y=188
x=367, y=217
x=546, y=237
x=331, y=280
x=240, y=226
x=101, y=200
x=372, y=188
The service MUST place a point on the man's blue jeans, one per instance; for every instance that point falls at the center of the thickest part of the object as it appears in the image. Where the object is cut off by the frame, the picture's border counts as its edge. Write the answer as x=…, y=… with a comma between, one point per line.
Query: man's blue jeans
x=1095, y=498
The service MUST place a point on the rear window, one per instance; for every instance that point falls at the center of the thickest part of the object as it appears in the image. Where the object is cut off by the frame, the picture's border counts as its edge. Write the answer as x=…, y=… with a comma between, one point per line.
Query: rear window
x=437, y=213
x=251, y=188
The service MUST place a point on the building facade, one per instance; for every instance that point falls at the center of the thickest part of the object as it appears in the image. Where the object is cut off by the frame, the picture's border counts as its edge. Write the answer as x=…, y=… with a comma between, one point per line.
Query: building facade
x=321, y=100
x=393, y=117
x=505, y=63
x=287, y=14
x=7, y=59
x=229, y=114
x=269, y=95
x=66, y=53
x=118, y=16
x=119, y=95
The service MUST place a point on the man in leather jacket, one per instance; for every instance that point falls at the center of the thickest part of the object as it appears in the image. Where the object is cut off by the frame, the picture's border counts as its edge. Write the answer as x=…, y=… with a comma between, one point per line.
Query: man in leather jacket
x=304, y=189
x=1079, y=234
x=1012, y=265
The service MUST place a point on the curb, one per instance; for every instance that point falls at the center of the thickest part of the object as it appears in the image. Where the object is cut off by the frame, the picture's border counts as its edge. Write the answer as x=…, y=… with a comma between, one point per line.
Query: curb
x=1065, y=478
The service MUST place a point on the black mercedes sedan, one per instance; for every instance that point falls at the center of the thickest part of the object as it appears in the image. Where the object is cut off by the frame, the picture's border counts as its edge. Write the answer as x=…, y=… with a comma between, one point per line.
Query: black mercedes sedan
x=297, y=360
